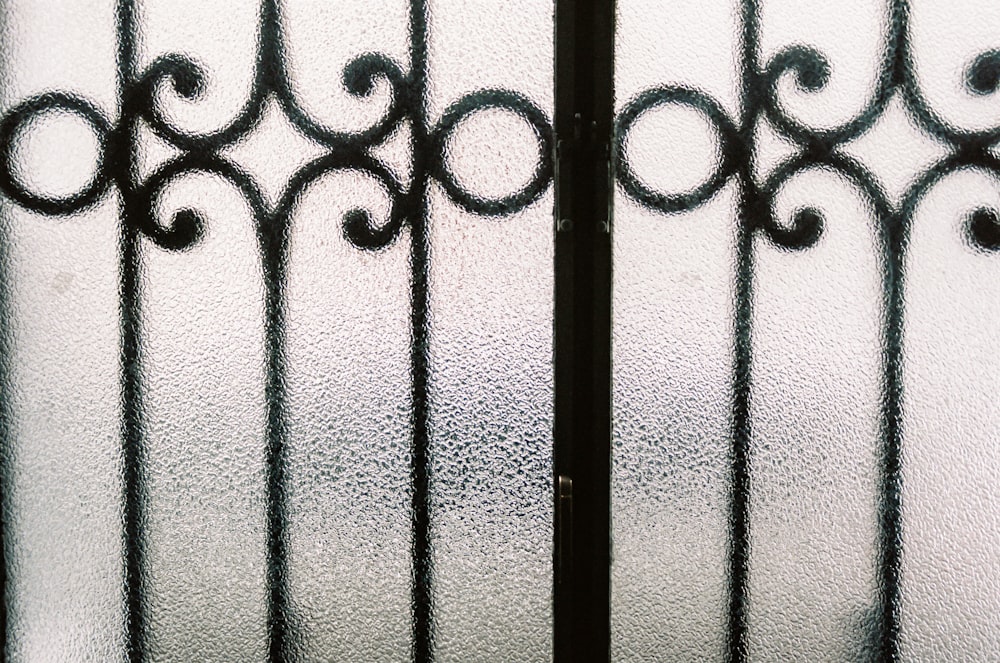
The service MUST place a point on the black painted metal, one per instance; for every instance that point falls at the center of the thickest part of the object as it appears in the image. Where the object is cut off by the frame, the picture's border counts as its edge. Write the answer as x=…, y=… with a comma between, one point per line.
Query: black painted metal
x=202, y=153
x=422, y=597
x=760, y=97
x=6, y=430
x=584, y=121
x=122, y=158
x=587, y=148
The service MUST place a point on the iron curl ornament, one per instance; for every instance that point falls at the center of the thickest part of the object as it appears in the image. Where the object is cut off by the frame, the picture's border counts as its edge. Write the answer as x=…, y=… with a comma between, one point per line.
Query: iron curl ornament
x=820, y=148
x=140, y=98
x=201, y=152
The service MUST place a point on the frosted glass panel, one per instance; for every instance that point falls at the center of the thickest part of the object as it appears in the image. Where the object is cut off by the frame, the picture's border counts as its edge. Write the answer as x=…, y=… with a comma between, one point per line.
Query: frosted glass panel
x=951, y=460
x=804, y=411
x=59, y=388
x=491, y=289
x=276, y=370
x=671, y=337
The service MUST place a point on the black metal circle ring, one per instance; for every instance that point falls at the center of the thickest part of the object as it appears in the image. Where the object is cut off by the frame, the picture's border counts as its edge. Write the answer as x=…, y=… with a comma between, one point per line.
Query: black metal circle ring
x=712, y=110
x=484, y=100
x=14, y=123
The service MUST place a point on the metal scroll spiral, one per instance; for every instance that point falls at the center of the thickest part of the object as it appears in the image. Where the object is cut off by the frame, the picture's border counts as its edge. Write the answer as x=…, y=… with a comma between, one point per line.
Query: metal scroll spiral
x=818, y=147
x=201, y=152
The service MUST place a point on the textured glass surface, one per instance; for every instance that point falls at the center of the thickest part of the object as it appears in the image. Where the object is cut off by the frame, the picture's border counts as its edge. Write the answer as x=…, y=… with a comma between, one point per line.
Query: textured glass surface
x=672, y=336
x=952, y=459
x=805, y=416
x=491, y=346
x=277, y=316
x=60, y=406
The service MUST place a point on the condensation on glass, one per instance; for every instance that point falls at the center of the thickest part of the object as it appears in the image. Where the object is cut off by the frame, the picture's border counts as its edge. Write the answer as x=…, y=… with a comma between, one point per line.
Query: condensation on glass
x=805, y=415
x=330, y=275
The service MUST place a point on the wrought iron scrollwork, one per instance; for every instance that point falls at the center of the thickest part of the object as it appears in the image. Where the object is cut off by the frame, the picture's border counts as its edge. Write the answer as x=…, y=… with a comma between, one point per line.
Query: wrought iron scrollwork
x=201, y=152
x=141, y=96
x=820, y=148
x=141, y=100
x=19, y=119
x=724, y=126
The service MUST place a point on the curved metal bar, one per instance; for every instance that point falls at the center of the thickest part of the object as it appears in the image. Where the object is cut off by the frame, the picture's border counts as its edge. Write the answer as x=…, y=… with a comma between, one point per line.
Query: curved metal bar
x=20, y=118
x=808, y=222
x=982, y=225
x=812, y=71
x=187, y=225
x=982, y=77
x=360, y=78
x=464, y=108
x=188, y=79
x=359, y=228
x=729, y=148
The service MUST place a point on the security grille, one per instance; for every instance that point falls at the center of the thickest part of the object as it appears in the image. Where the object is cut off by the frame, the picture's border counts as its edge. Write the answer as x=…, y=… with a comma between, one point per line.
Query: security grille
x=726, y=442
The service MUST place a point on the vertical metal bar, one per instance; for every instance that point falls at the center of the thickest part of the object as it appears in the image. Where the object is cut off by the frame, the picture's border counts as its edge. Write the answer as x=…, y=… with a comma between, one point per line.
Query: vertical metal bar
x=584, y=110
x=749, y=203
x=6, y=421
x=274, y=246
x=6, y=426
x=894, y=231
x=133, y=451
x=273, y=240
x=890, y=516
x=421, y=597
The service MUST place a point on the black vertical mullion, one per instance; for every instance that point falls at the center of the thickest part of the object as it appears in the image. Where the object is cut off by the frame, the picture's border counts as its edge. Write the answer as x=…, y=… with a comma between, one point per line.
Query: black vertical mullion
x=584, y=112
x=421, y=590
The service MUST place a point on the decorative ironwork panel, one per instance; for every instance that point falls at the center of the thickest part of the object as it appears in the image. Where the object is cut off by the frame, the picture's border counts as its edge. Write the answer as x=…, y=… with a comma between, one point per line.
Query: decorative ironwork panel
x=276, y=374
x=804, y=417
x=276, y=313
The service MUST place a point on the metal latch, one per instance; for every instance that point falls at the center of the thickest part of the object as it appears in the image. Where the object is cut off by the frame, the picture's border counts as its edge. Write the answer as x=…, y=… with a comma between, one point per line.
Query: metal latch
x=584, y=143
x=564, y=529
